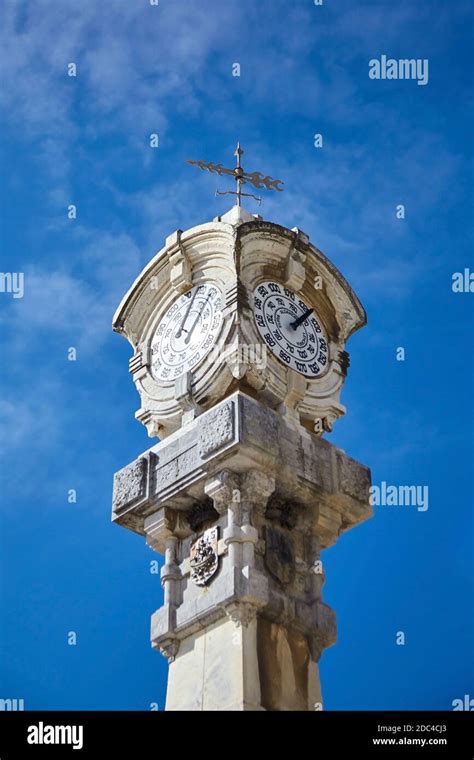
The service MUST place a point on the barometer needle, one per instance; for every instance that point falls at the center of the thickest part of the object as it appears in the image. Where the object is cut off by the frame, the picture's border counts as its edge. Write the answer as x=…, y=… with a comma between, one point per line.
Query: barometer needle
x=190, y=331
x=181, y=328
x=301, y=319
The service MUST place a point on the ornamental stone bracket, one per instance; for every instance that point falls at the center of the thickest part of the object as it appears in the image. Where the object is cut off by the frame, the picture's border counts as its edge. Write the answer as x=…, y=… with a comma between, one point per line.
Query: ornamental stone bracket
x=295, y=270
x=181, y=273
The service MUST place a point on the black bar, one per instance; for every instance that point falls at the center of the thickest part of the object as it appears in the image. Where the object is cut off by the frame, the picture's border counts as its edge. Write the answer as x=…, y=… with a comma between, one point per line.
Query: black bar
x=374, y=734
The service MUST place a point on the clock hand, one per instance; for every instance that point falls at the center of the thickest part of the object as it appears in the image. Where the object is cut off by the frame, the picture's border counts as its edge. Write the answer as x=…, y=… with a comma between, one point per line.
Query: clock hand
x=301, y=319
x=191, y=329
x=181, y=328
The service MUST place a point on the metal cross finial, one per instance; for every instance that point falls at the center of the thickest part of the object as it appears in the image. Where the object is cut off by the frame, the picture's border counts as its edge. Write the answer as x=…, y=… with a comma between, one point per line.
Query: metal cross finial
x=257, y=179
x=239, y=174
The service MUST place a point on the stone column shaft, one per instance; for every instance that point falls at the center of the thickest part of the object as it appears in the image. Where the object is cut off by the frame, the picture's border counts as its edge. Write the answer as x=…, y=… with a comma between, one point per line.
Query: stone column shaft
x=242, y=502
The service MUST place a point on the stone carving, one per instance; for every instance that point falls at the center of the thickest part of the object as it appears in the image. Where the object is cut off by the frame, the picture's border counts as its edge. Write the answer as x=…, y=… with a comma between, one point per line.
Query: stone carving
x=221, y=489
x=282, y=510
x=217, y=430
x=279, y=554
x=187, y=461
x=241, y=613
x=169, y=649
x=204, y=557
x=171, y=471
x=257, y=487
x=130, y=484
x=165, y=475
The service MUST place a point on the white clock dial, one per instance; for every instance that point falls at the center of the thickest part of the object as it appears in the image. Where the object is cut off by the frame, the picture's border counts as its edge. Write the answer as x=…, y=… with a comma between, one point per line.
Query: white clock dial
x=291, y=329
x=186, y=332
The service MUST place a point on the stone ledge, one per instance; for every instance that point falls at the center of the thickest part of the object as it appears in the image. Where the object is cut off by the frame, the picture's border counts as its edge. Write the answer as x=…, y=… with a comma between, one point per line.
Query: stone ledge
x=240, y=434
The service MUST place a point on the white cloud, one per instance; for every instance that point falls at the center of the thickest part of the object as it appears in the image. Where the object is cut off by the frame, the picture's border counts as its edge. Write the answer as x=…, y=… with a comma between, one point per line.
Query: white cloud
x=77, y=307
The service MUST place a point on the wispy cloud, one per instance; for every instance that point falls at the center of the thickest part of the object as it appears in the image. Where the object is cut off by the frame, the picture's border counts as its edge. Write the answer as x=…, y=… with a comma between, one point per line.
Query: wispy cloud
x=168, y=69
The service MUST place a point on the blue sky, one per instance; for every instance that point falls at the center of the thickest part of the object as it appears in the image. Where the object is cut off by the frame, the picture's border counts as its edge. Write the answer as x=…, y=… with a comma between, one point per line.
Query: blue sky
x=84, y=140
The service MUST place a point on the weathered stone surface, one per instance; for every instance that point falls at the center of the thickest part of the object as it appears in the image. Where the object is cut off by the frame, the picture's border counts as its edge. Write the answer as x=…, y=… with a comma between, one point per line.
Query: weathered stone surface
x=130, y=484
x=275, y=495
x=284, y=657
x=354, y=478
x=251, y=436
x=165, y=475
x=217, y=429
x=259, y=427
x=221, y=663
x=279, y=554
x=317, y=466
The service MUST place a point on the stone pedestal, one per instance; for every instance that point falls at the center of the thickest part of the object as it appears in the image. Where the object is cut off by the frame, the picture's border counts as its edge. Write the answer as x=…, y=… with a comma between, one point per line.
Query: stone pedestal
x=241, y=501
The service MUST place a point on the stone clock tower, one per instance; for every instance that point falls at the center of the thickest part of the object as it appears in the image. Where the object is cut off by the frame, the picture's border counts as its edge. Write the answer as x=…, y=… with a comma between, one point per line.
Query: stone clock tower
x=238, y=329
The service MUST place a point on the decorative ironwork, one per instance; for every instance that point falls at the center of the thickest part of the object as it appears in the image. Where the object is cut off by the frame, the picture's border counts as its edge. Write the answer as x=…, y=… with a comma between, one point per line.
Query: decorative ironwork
x=257, y=179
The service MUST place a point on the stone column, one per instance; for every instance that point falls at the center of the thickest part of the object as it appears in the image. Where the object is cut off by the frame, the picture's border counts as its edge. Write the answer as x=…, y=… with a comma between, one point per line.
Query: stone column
x=241, y=502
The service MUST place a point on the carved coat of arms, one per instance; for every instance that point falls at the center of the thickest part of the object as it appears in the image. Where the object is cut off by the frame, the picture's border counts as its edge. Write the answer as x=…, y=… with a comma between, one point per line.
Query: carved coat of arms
x=279, y=555
x=204, y=558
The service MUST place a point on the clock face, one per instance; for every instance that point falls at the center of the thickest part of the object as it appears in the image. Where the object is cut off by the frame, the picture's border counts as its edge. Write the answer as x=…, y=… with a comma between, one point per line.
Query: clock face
x=291, y=329
x=186, y=332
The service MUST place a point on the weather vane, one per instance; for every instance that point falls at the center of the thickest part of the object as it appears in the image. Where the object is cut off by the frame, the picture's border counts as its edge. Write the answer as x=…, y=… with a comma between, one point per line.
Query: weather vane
x=257, y=179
